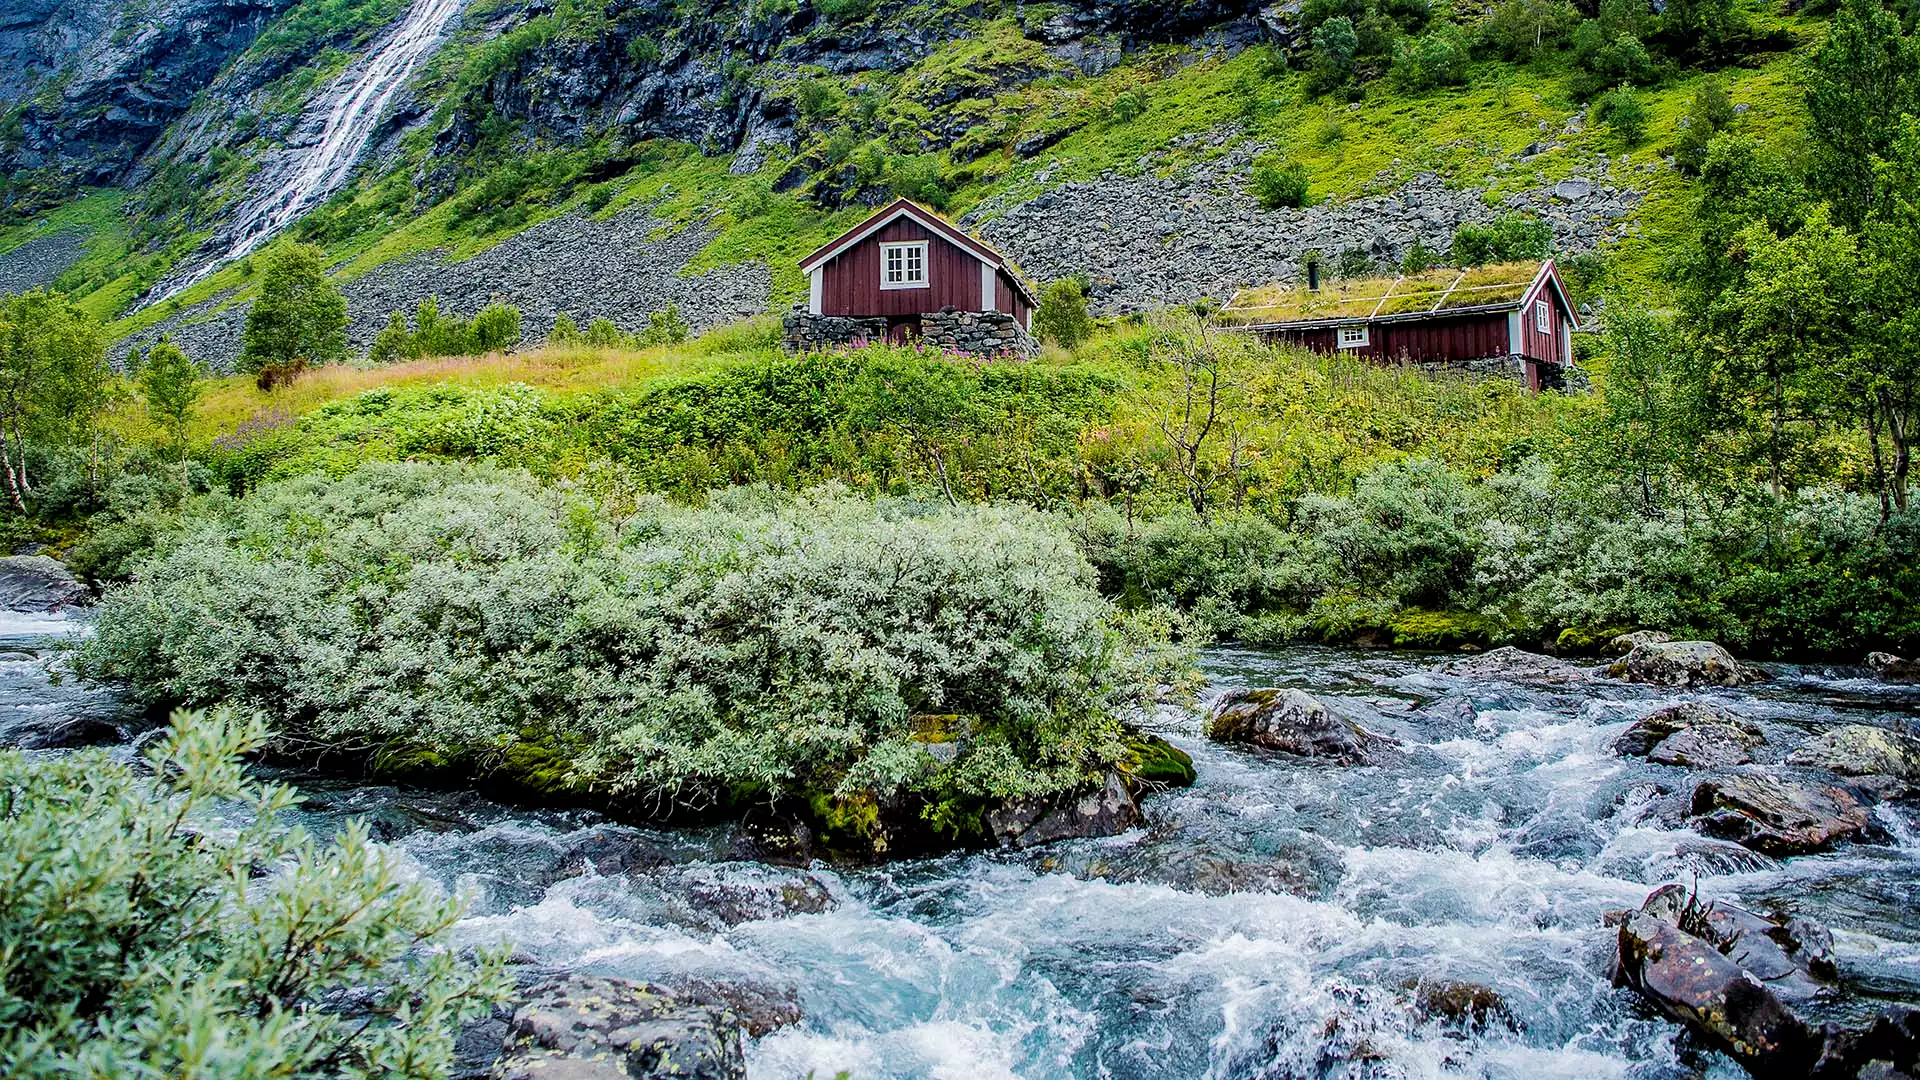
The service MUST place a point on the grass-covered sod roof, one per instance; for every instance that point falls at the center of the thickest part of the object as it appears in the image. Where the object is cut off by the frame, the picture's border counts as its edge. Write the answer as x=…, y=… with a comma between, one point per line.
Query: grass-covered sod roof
x=1429, y=291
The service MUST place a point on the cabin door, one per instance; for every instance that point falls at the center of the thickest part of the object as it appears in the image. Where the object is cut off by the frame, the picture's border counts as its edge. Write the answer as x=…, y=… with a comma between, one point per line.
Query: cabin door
x=903, y=331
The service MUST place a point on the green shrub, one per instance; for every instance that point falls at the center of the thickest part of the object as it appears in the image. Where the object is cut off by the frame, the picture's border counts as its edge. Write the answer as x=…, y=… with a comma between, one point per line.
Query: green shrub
x=1436, y=59
x=164, y=922
x=1280, y=182
x=1129, y=106
x=1511, y=237
x=1062, y=315
x=495, y=329
x=1621, y=110
x=1335, y=49
x=783, y=644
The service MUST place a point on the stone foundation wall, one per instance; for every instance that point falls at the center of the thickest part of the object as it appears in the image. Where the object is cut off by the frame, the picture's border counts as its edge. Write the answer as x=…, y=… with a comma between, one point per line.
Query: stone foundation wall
x=976, y=333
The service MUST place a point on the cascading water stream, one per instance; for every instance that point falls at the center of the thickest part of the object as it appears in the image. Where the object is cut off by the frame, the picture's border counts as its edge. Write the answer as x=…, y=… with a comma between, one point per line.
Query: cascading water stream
x=304, y=176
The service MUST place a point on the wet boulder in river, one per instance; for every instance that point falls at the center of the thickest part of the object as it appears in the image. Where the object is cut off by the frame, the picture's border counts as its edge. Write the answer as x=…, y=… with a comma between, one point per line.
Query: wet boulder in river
x=1509, y=664
x=1776, y=816
x=1685, y=664
x=1294, y=722
x=592, y=1028
x=37, y=583
x=1694, y=734
x=1692, y=978
x=1890, y=668
x=1106, y=811
x=1861, y=750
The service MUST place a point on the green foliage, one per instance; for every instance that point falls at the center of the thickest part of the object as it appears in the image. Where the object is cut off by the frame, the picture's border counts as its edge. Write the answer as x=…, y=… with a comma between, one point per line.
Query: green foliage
x=1510, y=238
x=162, y=922
x=1419, y=258
x=1062, y=316
x=1620, y=109
x=1518, y=30
x=54, y=382
x=1280, y=182
x=1438, y=58
x=1129, y=106
x=496, y=328
x=169, y=383
x=1710, y=113
x=1335, y=48
x=843, y=11
x=299, y=318
x=1863, y=79
x=783, y=643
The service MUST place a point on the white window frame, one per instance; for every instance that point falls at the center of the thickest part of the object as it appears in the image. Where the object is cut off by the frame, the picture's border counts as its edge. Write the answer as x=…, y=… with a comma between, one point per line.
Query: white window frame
x=1543, y=316
x=906, y=253
x=1353, y=337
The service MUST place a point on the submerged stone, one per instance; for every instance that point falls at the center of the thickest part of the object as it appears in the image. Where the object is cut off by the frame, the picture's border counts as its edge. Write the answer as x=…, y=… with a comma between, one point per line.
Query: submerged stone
x=1776, y=816
x=581, y=1027
x=1294, y=722
x=1684, y=664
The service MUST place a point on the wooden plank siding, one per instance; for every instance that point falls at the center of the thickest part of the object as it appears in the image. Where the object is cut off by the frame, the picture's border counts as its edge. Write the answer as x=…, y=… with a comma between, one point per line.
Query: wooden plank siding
x=1470, y=337
x=1533, y=344
x=851, y=283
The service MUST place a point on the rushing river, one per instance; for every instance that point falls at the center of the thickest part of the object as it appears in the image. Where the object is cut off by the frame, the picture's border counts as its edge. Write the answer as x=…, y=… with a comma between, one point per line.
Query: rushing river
x=1279, y=919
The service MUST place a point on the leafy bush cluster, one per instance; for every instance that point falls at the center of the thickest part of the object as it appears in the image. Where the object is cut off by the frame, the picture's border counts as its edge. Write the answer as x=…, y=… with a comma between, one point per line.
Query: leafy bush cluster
x=594, y=642
x=161, y=922
x=494, y=328
x=663, y=328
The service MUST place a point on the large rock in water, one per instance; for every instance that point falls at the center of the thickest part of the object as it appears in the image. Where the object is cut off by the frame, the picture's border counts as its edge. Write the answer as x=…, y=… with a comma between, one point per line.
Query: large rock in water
x=1294, y=722
x=1672, y=953
x=1893, y=669
x=1775, y=816
x=39, y=584
x=1623, y=644
x=592, y=1028
x=1685, y=664
x=1860, y=750
x=1106, y=811
x=1694, y=734
x=1509, y=664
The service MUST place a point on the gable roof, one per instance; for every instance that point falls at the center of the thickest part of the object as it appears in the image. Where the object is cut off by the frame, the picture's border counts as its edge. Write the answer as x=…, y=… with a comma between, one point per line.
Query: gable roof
x=932, y=222
x=1437, y=293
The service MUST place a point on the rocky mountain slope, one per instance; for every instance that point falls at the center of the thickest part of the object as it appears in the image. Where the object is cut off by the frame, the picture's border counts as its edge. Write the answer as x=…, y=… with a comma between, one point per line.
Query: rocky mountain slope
x=613, y=158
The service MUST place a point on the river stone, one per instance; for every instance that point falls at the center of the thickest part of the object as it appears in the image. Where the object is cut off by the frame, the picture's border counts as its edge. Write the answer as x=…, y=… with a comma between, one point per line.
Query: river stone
x=1626, y=643
x=1106, y=811
x=37, y=583
x=1689, y=979
x=1890, y=668
x=1470, y=1006
x=1683, y=663
x=1776, y=817
x=1694, y=734
x=1294, y=722
x=1861, y=750
x=592, y=1028
x=1516, y=665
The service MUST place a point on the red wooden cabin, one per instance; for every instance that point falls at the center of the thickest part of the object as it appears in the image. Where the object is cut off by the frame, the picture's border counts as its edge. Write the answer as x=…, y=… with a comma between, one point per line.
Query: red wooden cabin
x=906, y=261
x=1517, y=312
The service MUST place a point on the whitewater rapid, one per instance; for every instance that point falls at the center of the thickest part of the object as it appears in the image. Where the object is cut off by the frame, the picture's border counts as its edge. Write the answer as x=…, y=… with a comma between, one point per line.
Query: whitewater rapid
x=1280, y=919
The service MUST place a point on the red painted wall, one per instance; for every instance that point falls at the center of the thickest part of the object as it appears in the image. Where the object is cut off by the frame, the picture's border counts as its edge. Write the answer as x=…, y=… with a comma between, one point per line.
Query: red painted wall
x=1533, y=344
x=1009, y=299
x=851, y=283
x=1473, y=337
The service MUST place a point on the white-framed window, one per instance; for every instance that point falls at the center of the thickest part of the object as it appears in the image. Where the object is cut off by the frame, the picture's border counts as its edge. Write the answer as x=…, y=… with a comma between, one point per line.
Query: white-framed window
x=903, y=266
x=1354, y=337
x=1543, y=316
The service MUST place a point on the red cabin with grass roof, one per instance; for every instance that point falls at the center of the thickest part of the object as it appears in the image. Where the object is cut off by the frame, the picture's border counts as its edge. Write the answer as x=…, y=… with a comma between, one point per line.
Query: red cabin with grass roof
x=1513, y=314
x=905, y=262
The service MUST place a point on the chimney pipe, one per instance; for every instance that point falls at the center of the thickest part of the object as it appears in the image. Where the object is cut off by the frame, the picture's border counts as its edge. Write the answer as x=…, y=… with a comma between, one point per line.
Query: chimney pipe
x=1313, y=275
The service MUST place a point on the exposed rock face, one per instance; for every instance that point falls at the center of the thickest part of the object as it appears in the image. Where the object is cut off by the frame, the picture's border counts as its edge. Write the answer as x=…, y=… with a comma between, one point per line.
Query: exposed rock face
x=1517, y=665
x=1294, y=722
x=1106, y=811
x=1859, y=750
x=1693, y=734
x=39, y=584
x=1701, y=982
x=1775, y=816
x=590, y=1028
x=100, y=80
x=1685, y=664
x=1893, y=669
x=617, y=268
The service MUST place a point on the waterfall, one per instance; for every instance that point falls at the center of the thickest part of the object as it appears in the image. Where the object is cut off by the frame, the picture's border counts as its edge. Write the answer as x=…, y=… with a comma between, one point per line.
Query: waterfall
x=304, y=176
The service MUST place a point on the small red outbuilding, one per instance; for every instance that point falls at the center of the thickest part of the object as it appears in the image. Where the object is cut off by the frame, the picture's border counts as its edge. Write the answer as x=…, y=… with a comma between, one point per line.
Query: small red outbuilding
x=906, y=262
x=1516, y=313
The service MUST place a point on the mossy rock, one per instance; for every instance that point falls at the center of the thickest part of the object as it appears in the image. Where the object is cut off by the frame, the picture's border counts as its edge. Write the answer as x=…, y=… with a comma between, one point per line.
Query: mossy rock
x=1152, y=760
x=1588, y=640
x=847, y=824
x=1442, y=630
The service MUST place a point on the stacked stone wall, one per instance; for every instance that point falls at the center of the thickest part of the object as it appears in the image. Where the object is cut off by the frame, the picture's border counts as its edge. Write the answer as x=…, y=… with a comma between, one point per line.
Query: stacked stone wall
x=975, y=333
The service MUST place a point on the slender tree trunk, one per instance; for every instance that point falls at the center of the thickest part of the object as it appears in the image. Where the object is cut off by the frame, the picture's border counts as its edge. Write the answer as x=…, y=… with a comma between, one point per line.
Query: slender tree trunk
x=1879, y=461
